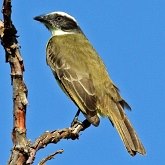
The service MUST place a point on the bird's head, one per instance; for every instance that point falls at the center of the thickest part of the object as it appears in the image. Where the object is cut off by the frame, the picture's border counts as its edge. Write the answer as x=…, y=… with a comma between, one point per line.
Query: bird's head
x=59, y=23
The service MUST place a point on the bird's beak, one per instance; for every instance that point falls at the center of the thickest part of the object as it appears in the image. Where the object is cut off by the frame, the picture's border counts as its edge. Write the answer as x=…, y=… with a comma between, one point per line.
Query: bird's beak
x=40, y=18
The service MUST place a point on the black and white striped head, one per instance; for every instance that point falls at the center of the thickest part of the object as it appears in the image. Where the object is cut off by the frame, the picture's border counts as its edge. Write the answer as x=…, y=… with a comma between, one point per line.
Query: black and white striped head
x=59, y=23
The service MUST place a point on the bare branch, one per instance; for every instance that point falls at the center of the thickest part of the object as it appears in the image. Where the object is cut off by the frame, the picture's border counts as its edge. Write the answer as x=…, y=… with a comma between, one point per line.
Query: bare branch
x=13, y=56
x=55, y=136
x=43, y=161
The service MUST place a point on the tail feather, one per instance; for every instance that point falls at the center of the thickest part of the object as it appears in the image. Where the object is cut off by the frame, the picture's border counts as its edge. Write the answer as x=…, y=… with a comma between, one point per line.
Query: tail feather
x=112, y=105
x=127, y=133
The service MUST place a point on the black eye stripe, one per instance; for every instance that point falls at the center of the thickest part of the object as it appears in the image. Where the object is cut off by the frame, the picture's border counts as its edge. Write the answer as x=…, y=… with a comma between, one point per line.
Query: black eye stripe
x=66, y=23
x=62, y=22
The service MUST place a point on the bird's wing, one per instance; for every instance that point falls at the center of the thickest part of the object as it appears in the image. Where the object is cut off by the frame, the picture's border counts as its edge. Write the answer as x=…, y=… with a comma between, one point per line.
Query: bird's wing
x=78, y=85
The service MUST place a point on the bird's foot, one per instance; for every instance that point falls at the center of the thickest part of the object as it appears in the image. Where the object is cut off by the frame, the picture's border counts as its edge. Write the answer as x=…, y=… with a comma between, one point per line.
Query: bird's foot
x=75, y=120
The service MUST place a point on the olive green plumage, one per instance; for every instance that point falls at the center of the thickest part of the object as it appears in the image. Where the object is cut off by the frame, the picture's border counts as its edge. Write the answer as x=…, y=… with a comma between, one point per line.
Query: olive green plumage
x=83, y=77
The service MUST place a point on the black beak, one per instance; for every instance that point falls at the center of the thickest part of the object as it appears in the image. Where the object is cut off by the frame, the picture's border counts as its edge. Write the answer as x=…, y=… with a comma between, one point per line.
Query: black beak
x=40, y=18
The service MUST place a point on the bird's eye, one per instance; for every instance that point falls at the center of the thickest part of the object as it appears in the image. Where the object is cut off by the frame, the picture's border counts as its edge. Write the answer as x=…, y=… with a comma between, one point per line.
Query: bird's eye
x=59, y=18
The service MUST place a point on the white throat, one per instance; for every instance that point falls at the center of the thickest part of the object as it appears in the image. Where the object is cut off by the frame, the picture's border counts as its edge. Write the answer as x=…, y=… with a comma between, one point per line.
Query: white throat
x=59, y=32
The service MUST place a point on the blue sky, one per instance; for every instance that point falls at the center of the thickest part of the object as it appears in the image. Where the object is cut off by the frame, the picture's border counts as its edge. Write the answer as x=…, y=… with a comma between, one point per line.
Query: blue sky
x=130, y=38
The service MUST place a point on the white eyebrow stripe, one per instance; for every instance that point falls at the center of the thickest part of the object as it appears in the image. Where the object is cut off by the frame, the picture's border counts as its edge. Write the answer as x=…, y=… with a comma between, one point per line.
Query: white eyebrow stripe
x=63, y=14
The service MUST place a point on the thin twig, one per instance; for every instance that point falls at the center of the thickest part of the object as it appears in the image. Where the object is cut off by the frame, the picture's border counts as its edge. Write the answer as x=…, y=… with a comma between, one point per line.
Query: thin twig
x=43, y=161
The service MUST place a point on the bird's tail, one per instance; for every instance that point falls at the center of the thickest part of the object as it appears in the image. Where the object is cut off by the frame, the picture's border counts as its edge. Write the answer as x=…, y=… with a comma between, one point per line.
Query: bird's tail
x=126, y=132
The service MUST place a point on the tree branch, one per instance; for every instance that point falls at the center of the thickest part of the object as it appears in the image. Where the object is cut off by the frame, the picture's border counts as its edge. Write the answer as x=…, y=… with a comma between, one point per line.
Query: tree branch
x=43, y=161
x=55, y=136
x=13, y=56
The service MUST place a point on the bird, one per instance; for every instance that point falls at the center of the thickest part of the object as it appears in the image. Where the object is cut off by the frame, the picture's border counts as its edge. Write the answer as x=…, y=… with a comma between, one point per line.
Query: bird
x=83, y=77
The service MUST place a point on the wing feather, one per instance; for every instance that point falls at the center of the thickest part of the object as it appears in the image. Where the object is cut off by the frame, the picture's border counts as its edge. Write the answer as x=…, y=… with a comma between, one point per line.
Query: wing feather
x=78, y=85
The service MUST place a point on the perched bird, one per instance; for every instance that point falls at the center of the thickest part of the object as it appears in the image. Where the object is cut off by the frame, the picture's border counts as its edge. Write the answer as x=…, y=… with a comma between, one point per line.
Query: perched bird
x=82, y=75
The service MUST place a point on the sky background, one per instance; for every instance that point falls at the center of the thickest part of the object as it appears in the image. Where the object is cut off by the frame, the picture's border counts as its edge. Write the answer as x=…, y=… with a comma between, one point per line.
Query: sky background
x=130, y=38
